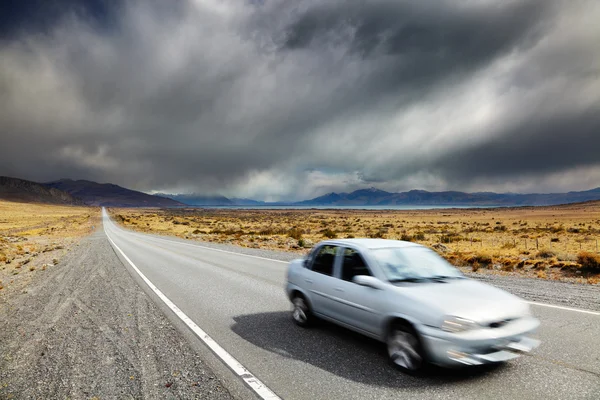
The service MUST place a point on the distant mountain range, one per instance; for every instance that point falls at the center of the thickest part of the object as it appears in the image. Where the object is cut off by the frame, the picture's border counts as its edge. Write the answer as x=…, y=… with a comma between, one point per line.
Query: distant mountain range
x=80, y=192
x=199, y=200
x=107, y=194
x=376, y=197
x=20, y=190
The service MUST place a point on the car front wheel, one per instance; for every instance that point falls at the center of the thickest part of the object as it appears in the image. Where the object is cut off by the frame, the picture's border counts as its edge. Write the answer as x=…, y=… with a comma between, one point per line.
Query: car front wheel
x=404, y=349
x=301, y=312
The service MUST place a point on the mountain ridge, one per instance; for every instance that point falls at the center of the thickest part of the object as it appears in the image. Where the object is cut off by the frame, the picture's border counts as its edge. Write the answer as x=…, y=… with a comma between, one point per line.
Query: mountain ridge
x=25, y=191
x=110, y=195
x=368, y=197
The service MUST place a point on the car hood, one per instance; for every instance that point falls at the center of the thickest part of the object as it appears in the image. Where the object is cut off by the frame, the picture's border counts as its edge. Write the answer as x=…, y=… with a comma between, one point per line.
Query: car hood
x=466, y=298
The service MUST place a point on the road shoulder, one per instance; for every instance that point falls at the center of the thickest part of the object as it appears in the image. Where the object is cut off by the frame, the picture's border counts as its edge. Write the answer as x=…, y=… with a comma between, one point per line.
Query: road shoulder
x=85, y=329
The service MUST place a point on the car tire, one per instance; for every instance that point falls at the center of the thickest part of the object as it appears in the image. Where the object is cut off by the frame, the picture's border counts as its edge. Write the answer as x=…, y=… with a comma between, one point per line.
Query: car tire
x=301, y=313
x=405, y=350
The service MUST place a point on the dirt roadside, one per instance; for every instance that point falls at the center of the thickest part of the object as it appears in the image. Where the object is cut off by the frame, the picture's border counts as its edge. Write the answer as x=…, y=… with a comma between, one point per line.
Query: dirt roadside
x=84, y=329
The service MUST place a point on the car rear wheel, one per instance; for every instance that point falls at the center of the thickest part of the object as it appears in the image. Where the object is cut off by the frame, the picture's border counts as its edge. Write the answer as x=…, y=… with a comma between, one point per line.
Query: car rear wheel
x=300, y=311
x=404, y=348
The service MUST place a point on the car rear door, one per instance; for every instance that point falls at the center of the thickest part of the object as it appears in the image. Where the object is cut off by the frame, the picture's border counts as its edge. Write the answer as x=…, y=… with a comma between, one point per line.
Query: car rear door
x=353, y=304
x=319, y=278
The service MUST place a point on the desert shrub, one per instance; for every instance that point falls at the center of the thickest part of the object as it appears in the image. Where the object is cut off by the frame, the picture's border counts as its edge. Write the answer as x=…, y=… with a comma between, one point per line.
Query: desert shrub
x=542, y=274
x=328, y=233
x=480, y=258
x=589, y=260
x=295, y=233
x=566, y=257
x=556, y=229
x=196, y=231
x=500, y=228
x=545, y=253
x=406, y=237
x=449, y=238
x=377, y=235
x=301, y=242
x=509, y=245
x=419, y=236
x=349, y=236
x=554, y=240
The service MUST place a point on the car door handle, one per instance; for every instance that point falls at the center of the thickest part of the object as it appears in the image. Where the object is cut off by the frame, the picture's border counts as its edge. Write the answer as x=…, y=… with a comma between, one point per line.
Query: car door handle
x=338, y=289
x=309, y=280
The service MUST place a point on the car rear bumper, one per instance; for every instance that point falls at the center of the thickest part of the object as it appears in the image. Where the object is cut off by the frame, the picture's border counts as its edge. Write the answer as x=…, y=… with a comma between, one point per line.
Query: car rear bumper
x=480, y=347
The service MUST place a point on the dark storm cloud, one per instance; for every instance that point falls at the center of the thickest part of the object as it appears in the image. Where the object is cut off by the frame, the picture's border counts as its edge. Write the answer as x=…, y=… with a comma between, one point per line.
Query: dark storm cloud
x=37, y=16
x=281, y=99
x=534, y=147
x=419, y=42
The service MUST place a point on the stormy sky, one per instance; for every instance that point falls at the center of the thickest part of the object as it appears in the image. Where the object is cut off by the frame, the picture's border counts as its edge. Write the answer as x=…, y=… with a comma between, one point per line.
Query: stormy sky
x=290, y=99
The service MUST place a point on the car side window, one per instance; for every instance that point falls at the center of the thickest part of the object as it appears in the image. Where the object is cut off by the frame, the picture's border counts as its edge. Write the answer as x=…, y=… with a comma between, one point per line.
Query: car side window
x=353, y=264
x=324, y=260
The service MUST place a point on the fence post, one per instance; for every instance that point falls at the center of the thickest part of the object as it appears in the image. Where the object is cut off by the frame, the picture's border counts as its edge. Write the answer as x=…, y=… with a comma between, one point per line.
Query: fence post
x=537, y=246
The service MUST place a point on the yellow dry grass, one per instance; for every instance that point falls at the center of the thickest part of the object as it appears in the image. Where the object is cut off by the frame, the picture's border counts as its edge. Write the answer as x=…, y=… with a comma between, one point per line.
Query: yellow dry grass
x=34, y=234
x=541, y=242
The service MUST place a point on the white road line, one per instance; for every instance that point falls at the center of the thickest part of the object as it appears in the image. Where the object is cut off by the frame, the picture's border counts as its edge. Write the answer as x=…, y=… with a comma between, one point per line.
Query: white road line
x=253, y=382
x=285, y=262
x=207, y=248
x=564, y=308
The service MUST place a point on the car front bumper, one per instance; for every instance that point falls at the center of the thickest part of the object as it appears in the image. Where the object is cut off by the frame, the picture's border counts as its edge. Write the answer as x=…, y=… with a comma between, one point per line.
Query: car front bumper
x=483, y=346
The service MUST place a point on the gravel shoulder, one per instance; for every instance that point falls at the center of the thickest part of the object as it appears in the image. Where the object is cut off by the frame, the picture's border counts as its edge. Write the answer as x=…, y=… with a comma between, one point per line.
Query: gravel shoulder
x=566, y=294
x=85, y=329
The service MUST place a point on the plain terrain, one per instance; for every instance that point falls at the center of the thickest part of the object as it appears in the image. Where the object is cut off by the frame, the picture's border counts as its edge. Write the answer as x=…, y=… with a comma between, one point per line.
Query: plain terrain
x=557, y=242
x=34, y=237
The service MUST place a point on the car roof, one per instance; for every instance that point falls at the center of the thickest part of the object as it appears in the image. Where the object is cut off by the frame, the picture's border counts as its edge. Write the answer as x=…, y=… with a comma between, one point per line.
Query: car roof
x=372, y=243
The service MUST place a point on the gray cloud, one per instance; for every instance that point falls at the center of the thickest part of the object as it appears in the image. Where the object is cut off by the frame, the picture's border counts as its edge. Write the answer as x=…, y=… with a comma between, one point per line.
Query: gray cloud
x=293, y=99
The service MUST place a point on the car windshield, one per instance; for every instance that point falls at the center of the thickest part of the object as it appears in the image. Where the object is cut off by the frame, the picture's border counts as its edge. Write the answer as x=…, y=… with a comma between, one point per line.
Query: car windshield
x=413, y=264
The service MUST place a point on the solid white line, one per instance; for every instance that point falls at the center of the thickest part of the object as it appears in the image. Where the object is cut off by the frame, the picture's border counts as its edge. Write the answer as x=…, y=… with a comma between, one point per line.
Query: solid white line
x=253, y=382
x=564, y=308
x=148, y=236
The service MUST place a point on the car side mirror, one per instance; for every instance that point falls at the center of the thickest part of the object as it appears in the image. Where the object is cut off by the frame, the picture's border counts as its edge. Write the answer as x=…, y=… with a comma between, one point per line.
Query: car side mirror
x=369, y=281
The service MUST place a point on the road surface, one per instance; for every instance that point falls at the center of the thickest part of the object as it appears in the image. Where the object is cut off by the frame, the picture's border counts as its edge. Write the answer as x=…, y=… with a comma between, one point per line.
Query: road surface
x=239, y=301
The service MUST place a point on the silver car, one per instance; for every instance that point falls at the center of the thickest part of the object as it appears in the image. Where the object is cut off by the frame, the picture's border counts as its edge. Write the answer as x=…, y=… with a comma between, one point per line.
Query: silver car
x=408, y=297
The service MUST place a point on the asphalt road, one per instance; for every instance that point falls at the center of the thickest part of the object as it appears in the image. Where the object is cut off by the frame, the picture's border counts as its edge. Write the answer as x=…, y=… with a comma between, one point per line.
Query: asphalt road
x=240, y=302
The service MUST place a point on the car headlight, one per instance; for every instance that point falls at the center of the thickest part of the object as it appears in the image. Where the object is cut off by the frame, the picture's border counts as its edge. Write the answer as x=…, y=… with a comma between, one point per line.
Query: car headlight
x=456, y=324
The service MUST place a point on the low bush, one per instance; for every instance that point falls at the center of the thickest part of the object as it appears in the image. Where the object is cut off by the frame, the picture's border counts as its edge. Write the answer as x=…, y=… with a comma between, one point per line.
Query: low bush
x=295, y=233
x=589, y=261
x=419, y=236
x=328, y=233
x=545, y=253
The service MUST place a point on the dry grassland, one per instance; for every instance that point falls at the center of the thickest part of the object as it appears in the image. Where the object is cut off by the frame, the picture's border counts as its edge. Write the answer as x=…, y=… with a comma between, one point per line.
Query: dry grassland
x=33, y=237
x=546, y=242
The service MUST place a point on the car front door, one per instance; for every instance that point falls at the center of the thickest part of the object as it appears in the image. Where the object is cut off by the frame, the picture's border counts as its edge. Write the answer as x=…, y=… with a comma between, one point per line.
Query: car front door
x=356, y=305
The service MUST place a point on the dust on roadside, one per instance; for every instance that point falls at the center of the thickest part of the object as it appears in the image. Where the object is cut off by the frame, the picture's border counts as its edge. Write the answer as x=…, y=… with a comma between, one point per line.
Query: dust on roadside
x=34, y=238
x=84, y=328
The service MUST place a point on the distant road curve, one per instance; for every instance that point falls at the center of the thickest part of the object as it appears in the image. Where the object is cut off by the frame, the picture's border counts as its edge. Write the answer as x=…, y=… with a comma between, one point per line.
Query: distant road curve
x=238, y=300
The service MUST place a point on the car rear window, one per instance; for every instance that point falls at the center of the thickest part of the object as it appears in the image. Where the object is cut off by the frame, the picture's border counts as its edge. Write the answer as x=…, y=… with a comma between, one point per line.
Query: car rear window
x=324, y=260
